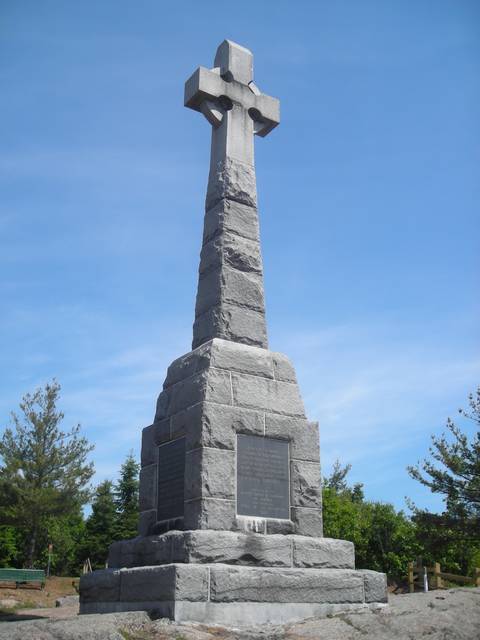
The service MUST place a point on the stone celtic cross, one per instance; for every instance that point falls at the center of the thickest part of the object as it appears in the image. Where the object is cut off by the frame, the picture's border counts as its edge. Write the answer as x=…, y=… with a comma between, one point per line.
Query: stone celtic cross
x=230, y=300
x=230, y=524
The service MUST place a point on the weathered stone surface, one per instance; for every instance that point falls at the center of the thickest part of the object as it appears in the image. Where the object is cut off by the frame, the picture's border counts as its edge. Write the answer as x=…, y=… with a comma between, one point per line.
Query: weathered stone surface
x=146, y=521
x=148, y=487
x=241, y=357
x=454, y=615
x=210, y=513
x=302, y=434
x=232, y=180
x=101, y=585
x=375, y=586
x=67, y=601
x=213, y=425
x=283, y=368
x=148, y=455
x=161, y=431
x=252, y=584
x=307, y=522
x=230, y=286
x=187, y=365
x=232, y=250
x=283, y=527
x=211, y=384
x=167, y=582
x=229, y=547
x=322, y=553
x=210, y=473
x=305, y=484
x=231, y=322
x=261, y=393
x=233, y=217
x=234, y=548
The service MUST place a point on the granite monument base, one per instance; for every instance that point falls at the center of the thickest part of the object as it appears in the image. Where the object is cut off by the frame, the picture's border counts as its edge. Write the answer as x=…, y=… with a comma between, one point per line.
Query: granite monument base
x=231, y=578
x=233, y=595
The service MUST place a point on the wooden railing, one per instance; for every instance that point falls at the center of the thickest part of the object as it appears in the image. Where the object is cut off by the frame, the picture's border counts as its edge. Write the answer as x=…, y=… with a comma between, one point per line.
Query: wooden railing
x=436, y=577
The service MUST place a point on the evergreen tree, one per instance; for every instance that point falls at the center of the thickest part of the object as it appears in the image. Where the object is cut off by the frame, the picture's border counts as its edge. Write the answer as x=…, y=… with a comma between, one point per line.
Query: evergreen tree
x=43, y=470
x=453, y=471
x=100, y=527
x=126, y=499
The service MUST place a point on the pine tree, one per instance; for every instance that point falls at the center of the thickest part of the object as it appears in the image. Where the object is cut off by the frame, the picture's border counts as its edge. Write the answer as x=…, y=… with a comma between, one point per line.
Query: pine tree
x=126, y=499
x=44, y=471
x=101, y=526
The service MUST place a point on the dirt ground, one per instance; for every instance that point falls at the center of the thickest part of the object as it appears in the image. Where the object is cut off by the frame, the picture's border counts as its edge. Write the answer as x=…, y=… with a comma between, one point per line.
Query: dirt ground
x=30, y=597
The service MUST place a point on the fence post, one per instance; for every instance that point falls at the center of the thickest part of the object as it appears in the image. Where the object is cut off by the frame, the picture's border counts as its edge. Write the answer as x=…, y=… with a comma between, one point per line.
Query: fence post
x=411, y=585
x=477, y=577
x=437, y=580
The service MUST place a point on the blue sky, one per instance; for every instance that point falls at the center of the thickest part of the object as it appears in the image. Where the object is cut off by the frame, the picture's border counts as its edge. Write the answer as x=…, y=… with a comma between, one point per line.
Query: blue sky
x=368, y=194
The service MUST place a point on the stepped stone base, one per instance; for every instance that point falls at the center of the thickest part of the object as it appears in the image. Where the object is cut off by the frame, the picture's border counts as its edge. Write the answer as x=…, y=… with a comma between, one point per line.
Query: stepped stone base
x=230, y=594
x=203, y=546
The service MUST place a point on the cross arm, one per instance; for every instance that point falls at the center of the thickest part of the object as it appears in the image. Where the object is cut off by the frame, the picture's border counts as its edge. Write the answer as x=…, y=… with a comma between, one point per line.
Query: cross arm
x=206, y=85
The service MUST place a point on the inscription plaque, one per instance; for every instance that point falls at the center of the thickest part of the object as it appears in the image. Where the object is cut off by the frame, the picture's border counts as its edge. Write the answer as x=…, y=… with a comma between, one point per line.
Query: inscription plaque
x=262, y=477
x=171, y=479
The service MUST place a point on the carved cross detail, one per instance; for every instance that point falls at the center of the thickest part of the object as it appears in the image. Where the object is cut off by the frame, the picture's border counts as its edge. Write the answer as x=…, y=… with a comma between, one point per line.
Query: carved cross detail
x=232, y=103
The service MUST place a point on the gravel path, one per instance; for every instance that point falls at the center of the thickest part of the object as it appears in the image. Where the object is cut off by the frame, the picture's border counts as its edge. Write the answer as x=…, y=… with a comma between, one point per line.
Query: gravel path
x=438, y=615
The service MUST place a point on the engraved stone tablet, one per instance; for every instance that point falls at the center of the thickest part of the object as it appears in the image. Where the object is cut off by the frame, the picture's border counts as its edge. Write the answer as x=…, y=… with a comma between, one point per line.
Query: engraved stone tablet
x=171, y=479
x=262, y=477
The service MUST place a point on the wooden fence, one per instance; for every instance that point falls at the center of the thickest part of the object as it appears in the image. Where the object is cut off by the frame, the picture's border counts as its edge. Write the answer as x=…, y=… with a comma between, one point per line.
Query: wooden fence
x=436, y=577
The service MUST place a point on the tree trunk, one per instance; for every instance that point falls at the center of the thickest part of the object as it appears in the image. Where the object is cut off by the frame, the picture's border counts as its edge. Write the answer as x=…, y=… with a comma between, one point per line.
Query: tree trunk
x=31, y=548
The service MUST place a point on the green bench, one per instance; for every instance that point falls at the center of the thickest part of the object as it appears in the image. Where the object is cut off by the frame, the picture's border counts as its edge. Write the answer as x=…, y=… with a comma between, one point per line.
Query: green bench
x=34, y=577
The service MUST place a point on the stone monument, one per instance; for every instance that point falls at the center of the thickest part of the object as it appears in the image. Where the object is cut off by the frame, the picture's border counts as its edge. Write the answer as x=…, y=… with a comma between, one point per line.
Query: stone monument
x=231, y=520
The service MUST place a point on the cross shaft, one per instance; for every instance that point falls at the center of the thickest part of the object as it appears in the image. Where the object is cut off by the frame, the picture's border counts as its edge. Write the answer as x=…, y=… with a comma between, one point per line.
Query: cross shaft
x=230, y=299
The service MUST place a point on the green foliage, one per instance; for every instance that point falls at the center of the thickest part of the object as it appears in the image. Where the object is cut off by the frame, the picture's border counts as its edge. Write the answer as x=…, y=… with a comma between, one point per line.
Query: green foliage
x=8, y=546
x=453, y=471
x=126, y=499
x=457, y=477
x=101, y=526
x=44, y=472
x=384, y=539
x=65, y=534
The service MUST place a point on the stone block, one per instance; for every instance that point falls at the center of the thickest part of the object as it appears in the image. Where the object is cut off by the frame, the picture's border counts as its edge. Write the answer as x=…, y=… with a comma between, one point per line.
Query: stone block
x=146, y=520
x=307, y=522
x=230, y=286
x=231, y=216
x=161, y=431
x=283, y=527
x=302, y=434
x=211, y=384
x=322, y=553
x=375, y=586
x=153, y=550
x=239, y=357
x=232, y=548
x=232, y=250
x=270, y=395
x=242, y=254
x=255, y=584
x=148, y=487
x=283, y=368
x=214, y=425
x=164, y=583
x=305, y=484
x=103, y=585
x=149, y=451
x=187, y=365
x=210, y=473
x=231, y=323
x=210, y=513
x=232, y=180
